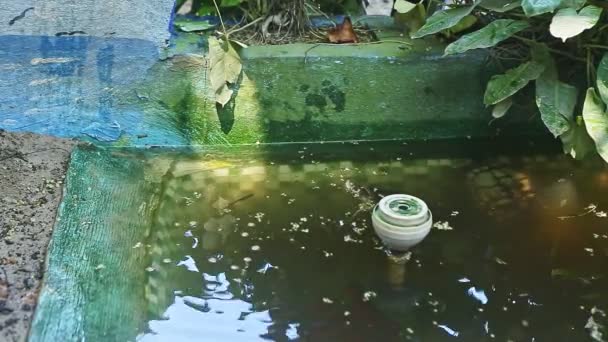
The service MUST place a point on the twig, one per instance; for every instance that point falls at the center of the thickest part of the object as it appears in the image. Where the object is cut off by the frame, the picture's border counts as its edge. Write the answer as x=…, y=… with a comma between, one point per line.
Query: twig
x=244, y=27
x=220, y=16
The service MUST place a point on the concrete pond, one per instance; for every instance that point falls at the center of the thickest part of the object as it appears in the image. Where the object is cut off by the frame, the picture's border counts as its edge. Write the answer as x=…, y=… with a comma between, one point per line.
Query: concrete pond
x=178, y=220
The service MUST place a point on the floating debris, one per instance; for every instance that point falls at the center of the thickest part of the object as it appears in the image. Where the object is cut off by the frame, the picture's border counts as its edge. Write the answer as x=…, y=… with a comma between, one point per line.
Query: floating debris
x=137, y=245
x=595, y=328
x=259, y=216
x=327, y=300
x=454, y=213
x=369, y=295
x=500, y=261
x=591, y=208
x=150, y=269
x=255, y=248
x=442, y=225
x=100, y=267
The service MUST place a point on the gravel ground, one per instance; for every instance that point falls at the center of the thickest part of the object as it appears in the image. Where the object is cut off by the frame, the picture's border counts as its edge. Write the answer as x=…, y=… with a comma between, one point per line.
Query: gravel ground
x=32, y=170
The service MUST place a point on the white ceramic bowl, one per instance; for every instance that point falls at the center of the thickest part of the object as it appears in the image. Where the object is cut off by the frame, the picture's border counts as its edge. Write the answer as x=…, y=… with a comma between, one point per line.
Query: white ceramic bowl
x=401, y=221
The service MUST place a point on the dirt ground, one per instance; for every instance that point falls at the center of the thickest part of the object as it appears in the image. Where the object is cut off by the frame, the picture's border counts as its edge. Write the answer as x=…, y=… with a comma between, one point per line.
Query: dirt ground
x=32, y=172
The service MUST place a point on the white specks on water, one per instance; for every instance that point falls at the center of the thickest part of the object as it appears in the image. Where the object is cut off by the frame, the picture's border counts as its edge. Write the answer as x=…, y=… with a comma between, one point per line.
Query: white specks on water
x=259, y=216
x=500, y=261
x=100, y=267
x=448, y=330
x=212, y=260
x=593, y=326
x=327, y=300
x=244, y=234
x=250, y=224
x=195, y=243
x=589, y=250
x=255, y=248
x=166, y=260
x=464, y=280
x=192, y=224
x=137, y=245
x=247, y=259
x=235, y=267
x=369, y=295
x=442, y=225
x=150, y=269
x=188, y=233
x=601, y=214
x=267, y=266
x=328, y=254
x=454, y=213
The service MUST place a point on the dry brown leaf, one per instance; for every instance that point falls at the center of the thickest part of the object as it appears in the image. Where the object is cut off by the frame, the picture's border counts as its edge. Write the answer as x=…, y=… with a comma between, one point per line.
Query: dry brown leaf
x=343, y=33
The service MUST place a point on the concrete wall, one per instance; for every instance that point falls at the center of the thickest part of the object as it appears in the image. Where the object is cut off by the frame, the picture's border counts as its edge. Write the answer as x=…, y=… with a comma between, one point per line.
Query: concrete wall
x=139, y=19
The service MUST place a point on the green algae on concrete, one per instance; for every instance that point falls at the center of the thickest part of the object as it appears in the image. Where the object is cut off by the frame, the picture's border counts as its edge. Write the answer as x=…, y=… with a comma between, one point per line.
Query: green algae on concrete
x=398, y=89
x=91, y=292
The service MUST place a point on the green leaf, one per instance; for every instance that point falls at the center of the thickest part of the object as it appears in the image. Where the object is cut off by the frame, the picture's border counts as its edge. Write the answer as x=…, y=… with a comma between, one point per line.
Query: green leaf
x=492, y=34
x=224, y=68
x=568, y=23
x=403, y=6
x=556, y=101
x=602, y=78
x=536, y=7
x=541, y=54
x=500, y=6
x=463, y=24
x=192, y=26
x=231, y=3
x=442, y=20
x=576, y=4
x=596, y=121
x=501, y=108
x=502, y=86
x=576, y=142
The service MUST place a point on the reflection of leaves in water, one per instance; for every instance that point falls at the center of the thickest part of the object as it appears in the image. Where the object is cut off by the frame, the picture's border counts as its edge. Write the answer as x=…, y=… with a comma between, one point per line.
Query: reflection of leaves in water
x=226, y=116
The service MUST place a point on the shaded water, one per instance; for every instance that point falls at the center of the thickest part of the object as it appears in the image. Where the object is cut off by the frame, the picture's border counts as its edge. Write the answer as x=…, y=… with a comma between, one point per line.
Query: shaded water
x=276, y=243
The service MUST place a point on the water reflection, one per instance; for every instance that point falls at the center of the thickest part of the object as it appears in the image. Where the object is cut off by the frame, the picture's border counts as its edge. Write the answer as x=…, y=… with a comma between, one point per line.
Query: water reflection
x=195, y=319
x=282, y=248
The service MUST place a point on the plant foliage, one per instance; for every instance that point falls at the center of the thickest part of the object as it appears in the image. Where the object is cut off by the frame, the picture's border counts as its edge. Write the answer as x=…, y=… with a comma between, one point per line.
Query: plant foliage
x=558, y=45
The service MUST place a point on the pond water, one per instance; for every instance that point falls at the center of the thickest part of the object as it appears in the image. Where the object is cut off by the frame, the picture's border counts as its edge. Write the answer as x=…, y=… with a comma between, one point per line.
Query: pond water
x=276, y=243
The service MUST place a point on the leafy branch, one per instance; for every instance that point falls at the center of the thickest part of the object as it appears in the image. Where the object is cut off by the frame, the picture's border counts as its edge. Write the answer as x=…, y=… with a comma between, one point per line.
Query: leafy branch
x=561, y=40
